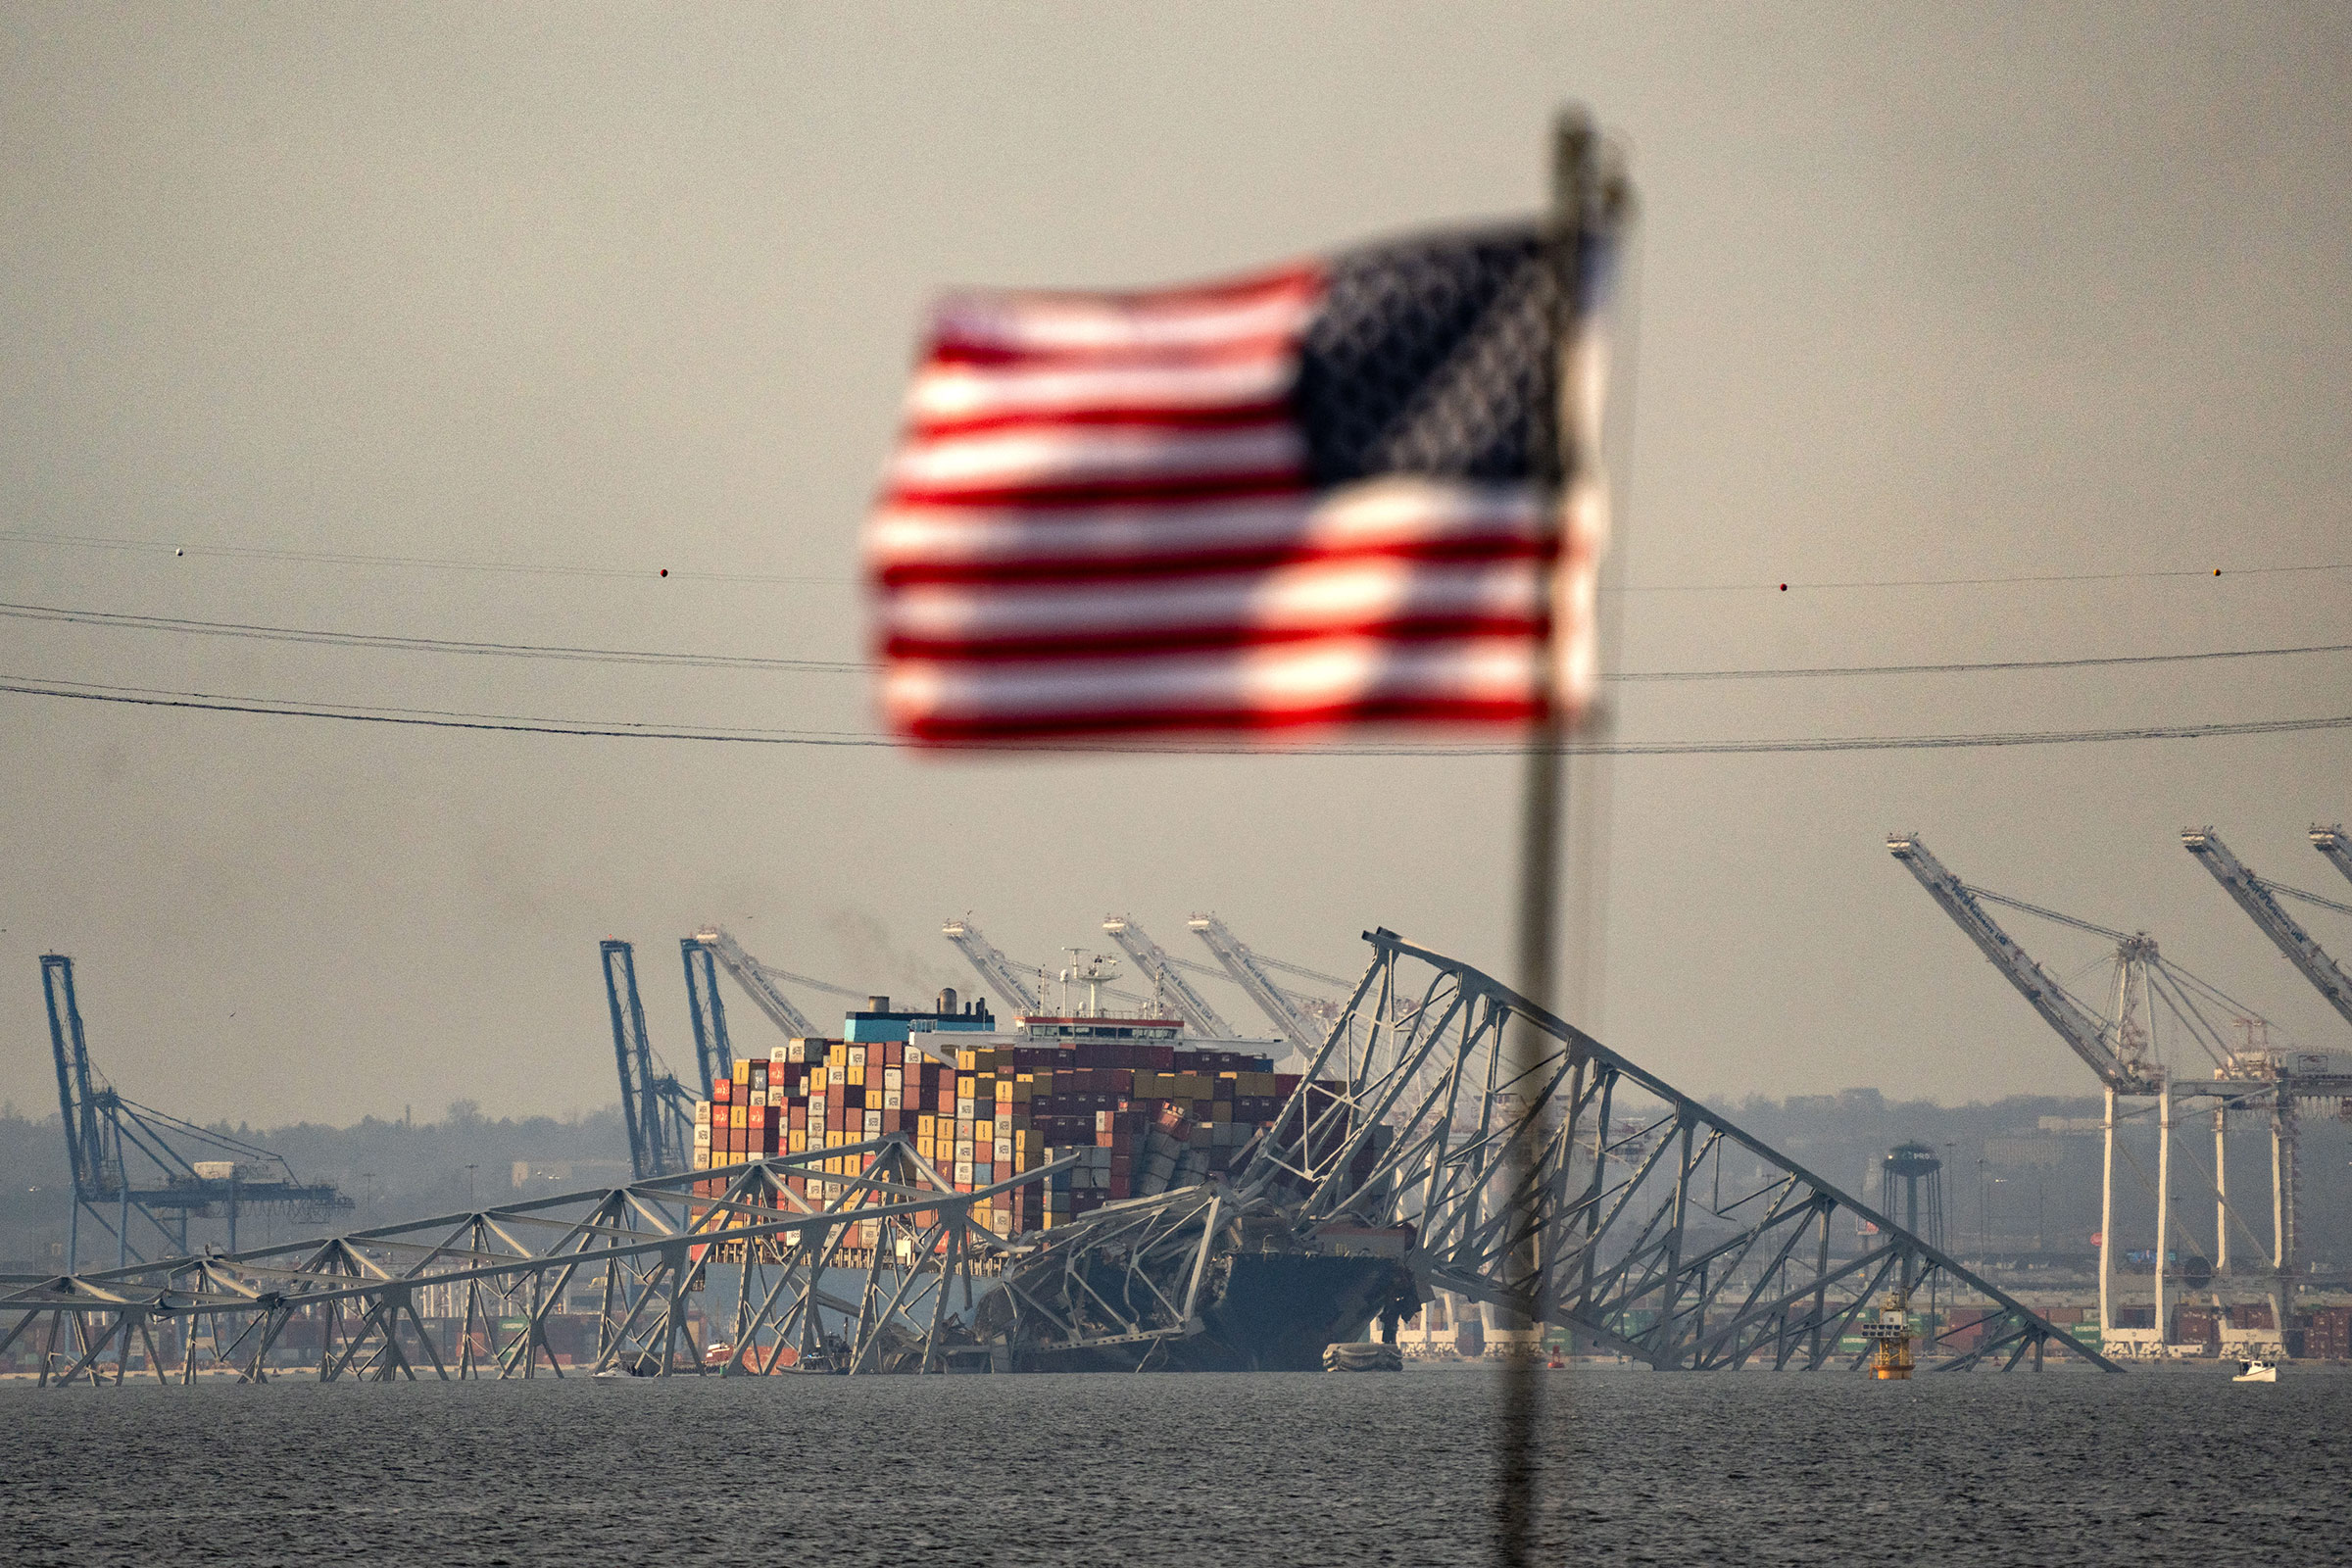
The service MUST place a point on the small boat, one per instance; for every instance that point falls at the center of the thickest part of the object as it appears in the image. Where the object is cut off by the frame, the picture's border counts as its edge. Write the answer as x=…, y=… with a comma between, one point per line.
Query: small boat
x=2256, y=1372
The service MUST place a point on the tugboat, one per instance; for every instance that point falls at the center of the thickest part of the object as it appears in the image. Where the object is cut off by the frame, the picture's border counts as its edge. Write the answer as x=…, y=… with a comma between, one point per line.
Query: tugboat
x=2256, y=1372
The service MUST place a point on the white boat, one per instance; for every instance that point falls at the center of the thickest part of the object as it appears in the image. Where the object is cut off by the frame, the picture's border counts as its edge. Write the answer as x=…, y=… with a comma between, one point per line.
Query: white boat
x=2256, y=1372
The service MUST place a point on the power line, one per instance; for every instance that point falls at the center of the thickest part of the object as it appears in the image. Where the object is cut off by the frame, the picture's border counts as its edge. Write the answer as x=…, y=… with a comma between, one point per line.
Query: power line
x=630, y=730
x=429, y=645
x=568, y=570
x=1978, y=669
x=343, y=558
x=1983, y=582
x=849, y=667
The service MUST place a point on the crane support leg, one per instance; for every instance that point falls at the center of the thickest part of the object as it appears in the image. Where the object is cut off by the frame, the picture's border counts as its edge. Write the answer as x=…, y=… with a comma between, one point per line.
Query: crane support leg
x=2220, y=1190
x=2107, y=1227
x=2282, y=1209
x=2164, y=1205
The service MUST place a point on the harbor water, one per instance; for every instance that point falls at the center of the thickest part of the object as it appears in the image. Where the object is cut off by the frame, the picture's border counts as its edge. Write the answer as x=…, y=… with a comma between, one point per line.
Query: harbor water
x=1293, y=1469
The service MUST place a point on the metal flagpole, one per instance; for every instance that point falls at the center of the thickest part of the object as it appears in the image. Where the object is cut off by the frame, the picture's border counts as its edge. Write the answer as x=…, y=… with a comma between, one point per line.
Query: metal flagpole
x=1544, y=804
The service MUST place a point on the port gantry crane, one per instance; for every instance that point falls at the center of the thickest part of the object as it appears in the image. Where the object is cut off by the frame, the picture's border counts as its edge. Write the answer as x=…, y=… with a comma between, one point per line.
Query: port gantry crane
x=131, y=1160
x=656, y=1110
x=2258, y=897
x=2302, y=1075
x=656, y=1106
x=1160, y=968
x=999, y=973
x=713, y=1052
x=2121, y=1050
x=1288, y=1012
x=757, y=983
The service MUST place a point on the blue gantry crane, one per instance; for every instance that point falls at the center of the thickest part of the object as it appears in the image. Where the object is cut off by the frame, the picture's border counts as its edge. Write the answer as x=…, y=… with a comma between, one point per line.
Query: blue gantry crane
x=713, y=1053
x=656, y=1110
x=131, y=1162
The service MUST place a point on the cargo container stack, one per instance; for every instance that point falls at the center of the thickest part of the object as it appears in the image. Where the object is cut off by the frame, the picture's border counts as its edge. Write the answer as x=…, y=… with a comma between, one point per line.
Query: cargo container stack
x=2327, y=1334
x=808, y=1096
x=1141, y=1116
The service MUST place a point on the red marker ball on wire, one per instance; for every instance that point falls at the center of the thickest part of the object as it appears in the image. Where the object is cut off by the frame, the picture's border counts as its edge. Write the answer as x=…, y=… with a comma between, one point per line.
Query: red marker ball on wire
x=1784, y=587
x=665, y=572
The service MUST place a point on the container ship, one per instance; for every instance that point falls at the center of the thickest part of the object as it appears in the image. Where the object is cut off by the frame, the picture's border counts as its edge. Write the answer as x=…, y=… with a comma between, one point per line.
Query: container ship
x=1146, y=1118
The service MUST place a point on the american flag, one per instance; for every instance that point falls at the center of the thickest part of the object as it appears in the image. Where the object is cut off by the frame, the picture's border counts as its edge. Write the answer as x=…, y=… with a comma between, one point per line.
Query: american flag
x=1322, y=495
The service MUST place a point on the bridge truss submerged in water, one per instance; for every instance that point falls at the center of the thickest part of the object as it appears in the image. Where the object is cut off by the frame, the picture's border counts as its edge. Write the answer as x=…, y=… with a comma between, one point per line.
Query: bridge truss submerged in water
x=1554, y=1181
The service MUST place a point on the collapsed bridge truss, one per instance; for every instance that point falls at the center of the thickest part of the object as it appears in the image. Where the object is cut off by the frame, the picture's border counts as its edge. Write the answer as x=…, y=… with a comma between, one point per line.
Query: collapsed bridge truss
x=880, y=1274
x=1523, y=1165
x=1554, y=1180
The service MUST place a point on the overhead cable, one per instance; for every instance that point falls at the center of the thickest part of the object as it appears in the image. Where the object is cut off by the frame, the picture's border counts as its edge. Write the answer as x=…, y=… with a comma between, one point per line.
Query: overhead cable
x=573, y=570
x=625, y=730
x=429, y=645
x=63, y=615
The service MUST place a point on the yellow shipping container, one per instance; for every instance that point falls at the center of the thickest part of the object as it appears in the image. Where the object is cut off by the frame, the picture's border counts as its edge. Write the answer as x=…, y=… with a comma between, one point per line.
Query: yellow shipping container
x=743, y=1071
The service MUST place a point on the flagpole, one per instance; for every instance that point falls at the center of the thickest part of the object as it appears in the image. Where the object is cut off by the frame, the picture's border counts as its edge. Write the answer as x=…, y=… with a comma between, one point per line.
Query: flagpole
x=1543, y=800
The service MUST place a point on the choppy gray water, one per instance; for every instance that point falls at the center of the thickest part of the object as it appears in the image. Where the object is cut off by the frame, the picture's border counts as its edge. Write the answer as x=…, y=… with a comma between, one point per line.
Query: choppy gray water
x=2147, y=1469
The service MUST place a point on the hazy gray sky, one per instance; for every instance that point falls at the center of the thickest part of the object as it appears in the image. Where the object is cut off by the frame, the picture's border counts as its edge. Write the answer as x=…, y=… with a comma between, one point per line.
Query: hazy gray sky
x=1926, y=292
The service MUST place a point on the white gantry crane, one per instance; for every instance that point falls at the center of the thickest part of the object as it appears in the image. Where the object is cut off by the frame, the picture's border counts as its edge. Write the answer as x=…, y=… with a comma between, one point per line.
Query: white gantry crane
x=757, y=983
x=2259, y=899
x=2120, y=1050
x=2302, y=1075
x=1161, y=971
x=1000, y=974
x=1287, y=1012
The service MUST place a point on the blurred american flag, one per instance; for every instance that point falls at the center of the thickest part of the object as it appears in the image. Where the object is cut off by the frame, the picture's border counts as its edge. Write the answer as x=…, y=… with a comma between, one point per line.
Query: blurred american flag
x=1323, y=495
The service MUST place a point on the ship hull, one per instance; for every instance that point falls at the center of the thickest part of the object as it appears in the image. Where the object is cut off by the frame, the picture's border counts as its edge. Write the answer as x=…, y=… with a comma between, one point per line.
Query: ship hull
x=1276, y=1313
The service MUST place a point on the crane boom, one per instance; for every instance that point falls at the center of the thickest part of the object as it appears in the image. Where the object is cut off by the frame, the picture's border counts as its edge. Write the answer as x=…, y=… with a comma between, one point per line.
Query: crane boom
x=654, y=1146
x=998, y=972
x=1243, y=966
x=2254, y=897
x=2329, y=841
x=1154, y=960
x=75, y=1103
x=756, y=985
x=713, y=1053
x=2083, y=1033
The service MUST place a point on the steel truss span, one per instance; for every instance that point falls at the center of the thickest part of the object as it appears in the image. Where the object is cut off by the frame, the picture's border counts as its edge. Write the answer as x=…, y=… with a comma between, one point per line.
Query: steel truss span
x=882, y=1274
x=1580, y=1193
x=1587, y=1193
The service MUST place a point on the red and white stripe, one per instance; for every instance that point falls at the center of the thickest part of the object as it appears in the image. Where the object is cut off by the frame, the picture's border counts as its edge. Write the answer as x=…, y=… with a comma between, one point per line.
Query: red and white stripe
x=1099, y=520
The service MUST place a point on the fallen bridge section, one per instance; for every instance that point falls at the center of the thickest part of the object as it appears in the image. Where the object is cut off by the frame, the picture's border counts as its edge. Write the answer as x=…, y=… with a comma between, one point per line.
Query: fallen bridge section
x=1540, y=1172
